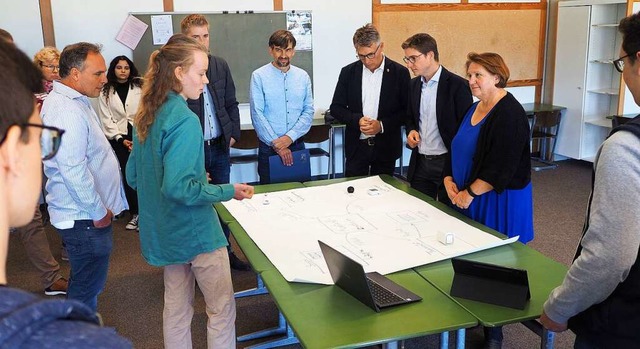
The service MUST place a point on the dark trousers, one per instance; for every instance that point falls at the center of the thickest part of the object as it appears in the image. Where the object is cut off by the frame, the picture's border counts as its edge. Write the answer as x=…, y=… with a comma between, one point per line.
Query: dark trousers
x=122, y=153
x=428, y=177
x=218, y=165
x=363, y=162
x=89, y=249
x=265, y=151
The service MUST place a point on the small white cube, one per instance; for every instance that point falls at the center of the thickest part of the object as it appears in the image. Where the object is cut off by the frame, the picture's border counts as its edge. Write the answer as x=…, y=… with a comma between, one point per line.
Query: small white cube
x=445, y=238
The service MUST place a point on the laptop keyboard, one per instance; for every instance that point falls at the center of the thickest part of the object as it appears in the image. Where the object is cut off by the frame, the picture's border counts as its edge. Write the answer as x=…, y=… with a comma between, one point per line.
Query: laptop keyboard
x=383, y=296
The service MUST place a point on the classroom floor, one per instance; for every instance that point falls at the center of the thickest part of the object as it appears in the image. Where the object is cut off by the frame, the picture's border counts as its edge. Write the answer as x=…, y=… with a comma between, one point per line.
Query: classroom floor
x=132, y=300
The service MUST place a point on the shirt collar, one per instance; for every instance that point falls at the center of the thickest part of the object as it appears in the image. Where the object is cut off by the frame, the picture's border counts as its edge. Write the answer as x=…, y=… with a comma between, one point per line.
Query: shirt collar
x=66, y=90
x=435, y=77
x=380, y=68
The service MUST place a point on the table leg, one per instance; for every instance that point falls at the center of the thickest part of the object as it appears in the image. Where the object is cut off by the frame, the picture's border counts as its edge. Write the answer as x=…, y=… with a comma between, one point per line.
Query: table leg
x=390, y=345
x=260, y=289
x=444, y=340
x=461, y=338
x=546, y=337
x=283, y=328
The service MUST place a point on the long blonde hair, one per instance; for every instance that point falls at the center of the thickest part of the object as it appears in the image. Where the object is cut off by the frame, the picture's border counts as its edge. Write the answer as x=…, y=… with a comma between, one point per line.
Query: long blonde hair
x=160, y=78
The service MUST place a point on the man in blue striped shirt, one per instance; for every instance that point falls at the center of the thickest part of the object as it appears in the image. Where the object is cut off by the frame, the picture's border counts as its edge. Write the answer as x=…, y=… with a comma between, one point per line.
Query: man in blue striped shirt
x=281, y=104
x=84, y=186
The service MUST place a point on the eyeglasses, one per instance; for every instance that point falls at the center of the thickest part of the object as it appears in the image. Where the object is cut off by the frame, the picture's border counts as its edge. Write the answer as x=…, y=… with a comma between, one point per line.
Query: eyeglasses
x=411, y=59
x=368, y=55
x=49, y=140
x=52, y=67
x=619, y=63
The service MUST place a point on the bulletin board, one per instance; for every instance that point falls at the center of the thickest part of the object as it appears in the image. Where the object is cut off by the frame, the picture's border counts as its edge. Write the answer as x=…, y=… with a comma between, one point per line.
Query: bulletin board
x=240, y=38
x=512, y=33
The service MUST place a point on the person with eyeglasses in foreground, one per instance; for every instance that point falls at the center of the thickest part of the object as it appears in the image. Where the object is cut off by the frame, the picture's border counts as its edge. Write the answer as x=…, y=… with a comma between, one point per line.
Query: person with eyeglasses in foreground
x=26, y=321
x=281, y=104
x=32, y=235
x=371, y=100
x=84, y=185
x=179, y=227
x=599, y=299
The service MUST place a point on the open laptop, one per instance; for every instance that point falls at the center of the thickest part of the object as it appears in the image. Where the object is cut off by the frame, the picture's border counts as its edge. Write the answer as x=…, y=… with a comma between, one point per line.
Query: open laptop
x=372, y=289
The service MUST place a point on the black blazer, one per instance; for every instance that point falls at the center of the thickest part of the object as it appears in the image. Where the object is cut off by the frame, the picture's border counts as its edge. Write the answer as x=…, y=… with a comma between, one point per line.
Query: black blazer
x=346, y=107
x=452, y=101
x=503, y=157
x=223, y=93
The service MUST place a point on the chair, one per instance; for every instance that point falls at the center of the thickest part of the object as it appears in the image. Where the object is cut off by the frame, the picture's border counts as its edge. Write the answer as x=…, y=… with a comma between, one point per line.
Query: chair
x=316, y=135
x=545, y=131
x=618, y=120
x=248, y=141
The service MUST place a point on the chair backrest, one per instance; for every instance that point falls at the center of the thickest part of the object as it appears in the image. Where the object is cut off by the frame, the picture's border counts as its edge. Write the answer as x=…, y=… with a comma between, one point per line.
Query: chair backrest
x=248, y=140
x=547, y=118
x=317, y=134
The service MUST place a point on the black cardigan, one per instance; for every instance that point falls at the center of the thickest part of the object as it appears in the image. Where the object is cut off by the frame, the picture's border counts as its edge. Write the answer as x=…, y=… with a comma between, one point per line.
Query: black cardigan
x=503, y=155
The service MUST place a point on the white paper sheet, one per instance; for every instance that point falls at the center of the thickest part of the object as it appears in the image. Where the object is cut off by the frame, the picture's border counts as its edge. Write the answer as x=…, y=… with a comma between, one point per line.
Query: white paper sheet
x=131, y=32
x=161, y=29
x=387, y=232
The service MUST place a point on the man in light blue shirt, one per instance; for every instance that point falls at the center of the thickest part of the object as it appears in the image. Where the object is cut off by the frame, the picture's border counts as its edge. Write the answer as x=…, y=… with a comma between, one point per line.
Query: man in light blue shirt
x=84, y=185
x=281, y=104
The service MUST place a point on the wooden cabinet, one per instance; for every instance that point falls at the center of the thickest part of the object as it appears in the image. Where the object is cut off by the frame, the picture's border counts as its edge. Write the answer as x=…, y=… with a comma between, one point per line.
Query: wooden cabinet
x=586, y=82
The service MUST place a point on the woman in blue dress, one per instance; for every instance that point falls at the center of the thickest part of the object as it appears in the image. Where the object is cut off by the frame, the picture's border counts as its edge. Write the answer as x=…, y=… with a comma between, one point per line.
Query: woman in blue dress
x=489, y=179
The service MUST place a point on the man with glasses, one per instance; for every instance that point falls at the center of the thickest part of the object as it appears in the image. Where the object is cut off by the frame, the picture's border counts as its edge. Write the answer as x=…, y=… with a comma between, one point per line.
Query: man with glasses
x=371, y=99
x=438, y=100
x=219, y=116
x=599, y=299
x=32, y=235
x=281, y=104
x=84, y=186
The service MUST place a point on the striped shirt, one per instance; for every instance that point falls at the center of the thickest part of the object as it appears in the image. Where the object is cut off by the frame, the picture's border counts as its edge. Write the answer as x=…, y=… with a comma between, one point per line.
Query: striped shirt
x=281, y=103
x=84, y=177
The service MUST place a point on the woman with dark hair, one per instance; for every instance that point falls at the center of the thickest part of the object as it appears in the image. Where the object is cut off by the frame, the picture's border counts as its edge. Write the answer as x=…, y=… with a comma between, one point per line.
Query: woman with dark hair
x=489, y=179
x=118, y=104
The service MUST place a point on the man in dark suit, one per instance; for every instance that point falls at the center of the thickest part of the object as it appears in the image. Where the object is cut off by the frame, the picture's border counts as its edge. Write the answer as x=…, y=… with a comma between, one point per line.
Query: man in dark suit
x=219, y=116
x=371, y=99
x=438, y=101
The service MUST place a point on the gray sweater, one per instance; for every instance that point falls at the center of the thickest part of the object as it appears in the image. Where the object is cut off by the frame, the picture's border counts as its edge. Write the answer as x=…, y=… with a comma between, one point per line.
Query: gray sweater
x=610, y=245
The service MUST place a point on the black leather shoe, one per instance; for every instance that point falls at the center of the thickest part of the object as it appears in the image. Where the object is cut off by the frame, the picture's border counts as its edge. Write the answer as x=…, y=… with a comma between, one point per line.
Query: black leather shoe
x=238, y=264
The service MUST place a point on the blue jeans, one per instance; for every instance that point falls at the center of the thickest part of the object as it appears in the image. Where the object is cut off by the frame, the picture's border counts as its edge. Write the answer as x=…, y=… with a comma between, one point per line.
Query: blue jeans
x=218, y=165
x=264, y=152
x=89, y=249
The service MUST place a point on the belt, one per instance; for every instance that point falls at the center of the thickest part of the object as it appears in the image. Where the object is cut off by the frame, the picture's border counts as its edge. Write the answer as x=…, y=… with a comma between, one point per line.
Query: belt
x=433, y=157
x=371, y=141
x=214, y=141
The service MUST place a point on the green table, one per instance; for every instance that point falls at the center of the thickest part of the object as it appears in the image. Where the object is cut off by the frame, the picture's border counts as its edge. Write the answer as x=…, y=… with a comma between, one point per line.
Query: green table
x=327, y=317
x=544, y=273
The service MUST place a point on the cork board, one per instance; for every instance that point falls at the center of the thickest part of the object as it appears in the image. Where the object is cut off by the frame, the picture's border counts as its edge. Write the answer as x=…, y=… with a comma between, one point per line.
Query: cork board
x=514, y=34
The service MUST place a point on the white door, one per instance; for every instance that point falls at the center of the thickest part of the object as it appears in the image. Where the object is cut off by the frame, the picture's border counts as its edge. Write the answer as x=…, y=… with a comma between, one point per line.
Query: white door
x=570, y=75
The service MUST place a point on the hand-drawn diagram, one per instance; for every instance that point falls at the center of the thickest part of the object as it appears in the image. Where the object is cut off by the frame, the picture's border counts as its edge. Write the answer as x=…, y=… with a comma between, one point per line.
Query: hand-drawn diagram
x=385, y=232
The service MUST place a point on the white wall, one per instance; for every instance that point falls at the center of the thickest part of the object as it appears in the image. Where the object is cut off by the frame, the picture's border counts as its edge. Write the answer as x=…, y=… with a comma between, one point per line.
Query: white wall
x=96, y=22
x=194, y=6
x=22, y=20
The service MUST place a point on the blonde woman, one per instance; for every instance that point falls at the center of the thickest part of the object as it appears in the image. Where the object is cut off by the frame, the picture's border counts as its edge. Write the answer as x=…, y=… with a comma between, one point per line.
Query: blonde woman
x=47, y=59
x=179, y=228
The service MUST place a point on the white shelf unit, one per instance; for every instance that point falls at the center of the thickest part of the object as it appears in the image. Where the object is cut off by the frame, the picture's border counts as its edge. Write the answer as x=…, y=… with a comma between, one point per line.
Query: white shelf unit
x=586, y=82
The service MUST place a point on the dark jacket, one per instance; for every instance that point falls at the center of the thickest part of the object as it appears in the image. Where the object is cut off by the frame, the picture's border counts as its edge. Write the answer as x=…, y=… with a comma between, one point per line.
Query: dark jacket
x=503, y=156
x=452, y=101
x=615, y=322
x=223, y=93
x=27, y=321
x=346, y=107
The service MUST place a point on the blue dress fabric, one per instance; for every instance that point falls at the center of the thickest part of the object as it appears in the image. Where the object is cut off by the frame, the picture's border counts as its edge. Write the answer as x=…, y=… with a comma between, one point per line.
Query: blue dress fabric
x=511, y=212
